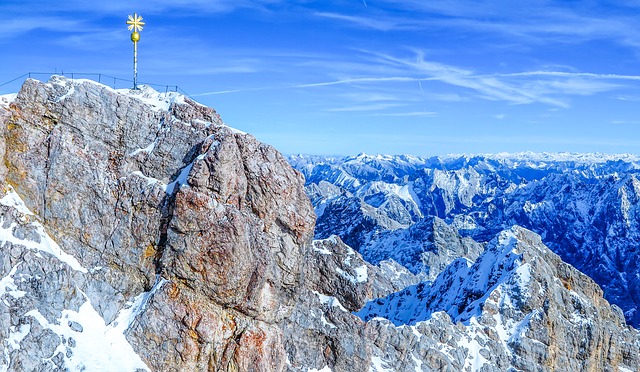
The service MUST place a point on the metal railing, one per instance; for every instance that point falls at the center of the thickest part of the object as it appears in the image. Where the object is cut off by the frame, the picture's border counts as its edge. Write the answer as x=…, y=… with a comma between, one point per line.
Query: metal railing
x=112, y=81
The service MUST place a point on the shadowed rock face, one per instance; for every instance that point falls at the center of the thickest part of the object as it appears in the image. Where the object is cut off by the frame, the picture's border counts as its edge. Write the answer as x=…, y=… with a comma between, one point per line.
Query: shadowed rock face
x=145, y=188
x=518, y=306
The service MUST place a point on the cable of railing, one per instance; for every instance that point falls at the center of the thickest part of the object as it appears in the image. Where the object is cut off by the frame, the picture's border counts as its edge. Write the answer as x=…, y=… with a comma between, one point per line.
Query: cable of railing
x=100, y=76
x=11, y=81
x=180, y=90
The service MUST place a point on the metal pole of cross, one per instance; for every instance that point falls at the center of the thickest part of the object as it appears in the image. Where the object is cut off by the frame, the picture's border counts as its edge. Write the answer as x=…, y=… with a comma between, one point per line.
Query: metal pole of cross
x=135, y=25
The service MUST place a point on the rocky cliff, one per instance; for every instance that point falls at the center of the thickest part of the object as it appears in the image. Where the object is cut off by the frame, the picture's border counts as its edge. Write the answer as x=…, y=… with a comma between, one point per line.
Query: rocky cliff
x=138, y=232
x=159, y=211
x=524, y=307
x=517, y=307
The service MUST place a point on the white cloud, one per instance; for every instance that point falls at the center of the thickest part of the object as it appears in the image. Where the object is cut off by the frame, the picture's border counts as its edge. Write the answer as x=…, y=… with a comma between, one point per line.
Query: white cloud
x=143, y=7
x=538, y=22
x=489, y=87
x=625, y=122
x=18, y=25
x=369, y=96
x=358, y=80
x=445, y=97
x=571, y=75
x=371, y=107
x=383, y=25
x=554, y=88
x=409, y=114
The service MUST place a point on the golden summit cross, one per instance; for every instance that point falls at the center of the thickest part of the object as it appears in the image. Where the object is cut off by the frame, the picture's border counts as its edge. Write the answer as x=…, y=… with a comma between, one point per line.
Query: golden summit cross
x=136, y=25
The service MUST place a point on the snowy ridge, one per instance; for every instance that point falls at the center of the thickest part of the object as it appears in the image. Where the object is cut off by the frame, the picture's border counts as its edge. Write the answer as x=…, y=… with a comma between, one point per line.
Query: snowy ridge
x=85, y=342
x=44, y=243
x=517, y=299
x=460, y=290
x=157, y=101
x=526, y=156
x=393, y=169
x=561, y=157
x=146, y=94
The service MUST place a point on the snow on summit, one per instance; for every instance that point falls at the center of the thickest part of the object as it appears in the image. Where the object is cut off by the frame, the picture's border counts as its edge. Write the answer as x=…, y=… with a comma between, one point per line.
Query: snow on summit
x=6, y=99
x=144, y=93
x=148, y=95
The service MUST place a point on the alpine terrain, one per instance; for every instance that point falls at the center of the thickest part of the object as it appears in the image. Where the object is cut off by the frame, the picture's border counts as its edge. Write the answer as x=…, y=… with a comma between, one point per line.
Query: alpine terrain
x=138, y=232
x=586, y=207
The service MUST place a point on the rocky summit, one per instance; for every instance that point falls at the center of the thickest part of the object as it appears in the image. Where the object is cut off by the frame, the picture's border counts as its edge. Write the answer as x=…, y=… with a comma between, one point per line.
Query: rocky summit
x=139, y=217
x=138, y=232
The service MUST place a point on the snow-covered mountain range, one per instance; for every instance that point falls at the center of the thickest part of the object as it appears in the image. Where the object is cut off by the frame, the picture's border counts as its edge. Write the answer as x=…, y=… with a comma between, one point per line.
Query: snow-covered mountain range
x=586, y=207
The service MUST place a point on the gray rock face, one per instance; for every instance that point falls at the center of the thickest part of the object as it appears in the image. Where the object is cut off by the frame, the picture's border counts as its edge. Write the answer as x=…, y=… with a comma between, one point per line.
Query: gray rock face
x=425, y=248
x=334, y=269
x=173, y=217
x=527, y=309
x=47, y=321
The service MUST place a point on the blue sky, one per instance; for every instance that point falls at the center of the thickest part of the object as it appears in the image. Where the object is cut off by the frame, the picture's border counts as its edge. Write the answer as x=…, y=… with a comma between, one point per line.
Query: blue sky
x=423, y=77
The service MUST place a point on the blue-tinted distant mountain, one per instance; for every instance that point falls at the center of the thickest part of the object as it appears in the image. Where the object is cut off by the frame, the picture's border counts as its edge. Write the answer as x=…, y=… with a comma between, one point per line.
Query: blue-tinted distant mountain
x=586, y=207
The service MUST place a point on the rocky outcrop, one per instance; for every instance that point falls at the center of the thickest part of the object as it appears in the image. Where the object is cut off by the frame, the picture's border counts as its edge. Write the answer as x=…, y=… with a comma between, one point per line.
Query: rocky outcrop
x=518, y=306
x=157, y=200
x=334, y=269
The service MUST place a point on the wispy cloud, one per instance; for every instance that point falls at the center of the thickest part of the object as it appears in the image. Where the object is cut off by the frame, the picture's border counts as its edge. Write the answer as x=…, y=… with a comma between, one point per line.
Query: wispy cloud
x=215, y=70
x=530, y=21
x=554, y=88
x=155, y=7
x=445, y=97
x=368, y=96
x=91, y=39
x=409, y=114
x=625, y=122
x=242, y=90
x=358, y=80
x=628, y=98
x=17, y=26
x=571, y=75
x=376, y=24
x=371, y=107
x=485, y=86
